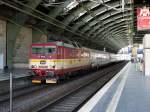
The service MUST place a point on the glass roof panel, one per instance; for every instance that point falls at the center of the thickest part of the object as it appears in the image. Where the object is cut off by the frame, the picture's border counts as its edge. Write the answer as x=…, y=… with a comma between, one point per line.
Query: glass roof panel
x=88, y=19
x=72, y=4
x=100, y=12
x=106, y=0
x=95, y=5
x=80, y=14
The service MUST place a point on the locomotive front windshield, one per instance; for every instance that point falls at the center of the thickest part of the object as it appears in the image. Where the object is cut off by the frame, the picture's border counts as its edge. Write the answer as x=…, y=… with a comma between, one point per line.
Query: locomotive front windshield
x=49, y=50
x=43, y=50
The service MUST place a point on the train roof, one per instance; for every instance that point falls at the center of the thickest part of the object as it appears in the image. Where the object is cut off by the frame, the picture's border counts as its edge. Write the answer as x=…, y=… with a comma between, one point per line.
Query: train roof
x=104, y=52
x=60, y=43
x=56, y=43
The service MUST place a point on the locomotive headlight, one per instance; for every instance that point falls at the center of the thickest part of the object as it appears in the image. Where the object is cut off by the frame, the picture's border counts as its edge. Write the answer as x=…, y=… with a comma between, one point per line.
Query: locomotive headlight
x=33, y=66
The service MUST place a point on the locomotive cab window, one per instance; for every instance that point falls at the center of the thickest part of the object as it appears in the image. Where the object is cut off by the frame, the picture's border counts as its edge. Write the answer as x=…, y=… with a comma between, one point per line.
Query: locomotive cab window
x=50, y=50
x=37, y=50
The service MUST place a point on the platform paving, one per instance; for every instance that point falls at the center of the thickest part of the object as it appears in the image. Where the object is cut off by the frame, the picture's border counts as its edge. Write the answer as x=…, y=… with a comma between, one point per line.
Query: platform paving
x=136, y=93
x=17, y=73
x=130, y=92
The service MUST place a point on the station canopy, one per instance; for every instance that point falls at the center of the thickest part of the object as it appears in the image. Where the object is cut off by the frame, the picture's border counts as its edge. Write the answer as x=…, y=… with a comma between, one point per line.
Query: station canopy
x=97, y=24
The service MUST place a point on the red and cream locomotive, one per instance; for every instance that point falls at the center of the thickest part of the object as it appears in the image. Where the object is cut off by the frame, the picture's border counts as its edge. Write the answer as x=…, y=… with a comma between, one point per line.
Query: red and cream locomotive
x=53, y=60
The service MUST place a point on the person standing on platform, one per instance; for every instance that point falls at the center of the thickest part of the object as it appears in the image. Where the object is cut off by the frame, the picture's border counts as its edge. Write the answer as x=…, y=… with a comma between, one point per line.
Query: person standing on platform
x=141, y=65
x=136, y=63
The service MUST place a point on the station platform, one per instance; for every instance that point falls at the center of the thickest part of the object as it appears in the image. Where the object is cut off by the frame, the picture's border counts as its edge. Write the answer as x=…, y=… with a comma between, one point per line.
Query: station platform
x=17, y=73
x=128, y=91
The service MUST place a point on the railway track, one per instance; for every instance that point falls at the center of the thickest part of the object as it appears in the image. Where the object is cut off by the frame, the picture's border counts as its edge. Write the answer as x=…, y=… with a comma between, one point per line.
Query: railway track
x=20, y=89
x=41, y=99
x=18, y=83
x=72, y=101
x=4, y=97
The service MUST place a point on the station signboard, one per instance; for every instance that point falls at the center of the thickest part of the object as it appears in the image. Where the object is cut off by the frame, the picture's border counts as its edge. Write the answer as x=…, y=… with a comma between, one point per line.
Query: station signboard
x=143, y=18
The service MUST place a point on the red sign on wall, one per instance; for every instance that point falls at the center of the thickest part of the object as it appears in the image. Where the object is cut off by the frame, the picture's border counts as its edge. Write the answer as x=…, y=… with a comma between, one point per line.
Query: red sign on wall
x=143, y=18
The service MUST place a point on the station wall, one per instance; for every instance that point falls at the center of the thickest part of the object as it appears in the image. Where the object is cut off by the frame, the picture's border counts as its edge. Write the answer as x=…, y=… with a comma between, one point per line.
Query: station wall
x=2, y=43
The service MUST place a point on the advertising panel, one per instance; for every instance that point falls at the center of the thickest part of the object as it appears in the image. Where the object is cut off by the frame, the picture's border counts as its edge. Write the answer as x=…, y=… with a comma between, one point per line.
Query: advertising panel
x=143, y=18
